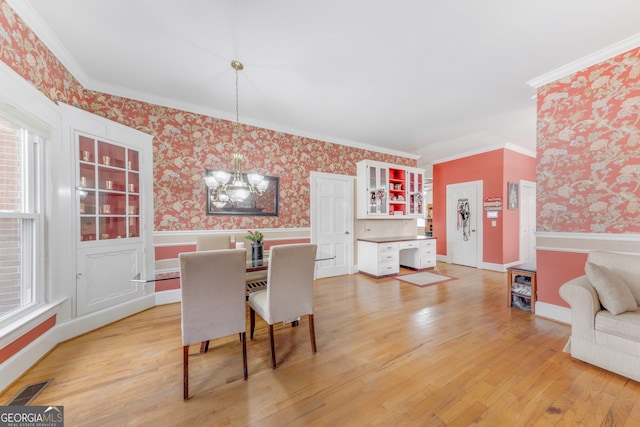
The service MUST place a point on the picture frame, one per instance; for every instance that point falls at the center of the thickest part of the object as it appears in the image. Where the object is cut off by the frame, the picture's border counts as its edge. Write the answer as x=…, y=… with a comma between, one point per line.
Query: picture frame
x=512, y=195
x=254, y=205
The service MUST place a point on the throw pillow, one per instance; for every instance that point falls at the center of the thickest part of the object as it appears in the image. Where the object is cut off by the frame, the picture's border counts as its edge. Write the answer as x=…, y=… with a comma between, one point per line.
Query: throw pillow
x=614, y=294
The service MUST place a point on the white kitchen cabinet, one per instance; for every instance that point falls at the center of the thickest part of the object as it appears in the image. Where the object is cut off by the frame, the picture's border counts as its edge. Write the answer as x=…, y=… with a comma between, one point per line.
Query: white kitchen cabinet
x=113, y=207
x=384, y=256
x=373, y=191
x=378, y=259
x=387, y=191
x=423, y=255
x=415, y=195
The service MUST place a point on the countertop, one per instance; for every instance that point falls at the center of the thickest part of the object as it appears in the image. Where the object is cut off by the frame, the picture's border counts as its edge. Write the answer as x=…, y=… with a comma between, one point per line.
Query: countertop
x=394, y=239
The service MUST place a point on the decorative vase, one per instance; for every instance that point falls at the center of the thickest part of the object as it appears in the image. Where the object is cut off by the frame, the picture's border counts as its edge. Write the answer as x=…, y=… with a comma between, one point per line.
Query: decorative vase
x=256, y=251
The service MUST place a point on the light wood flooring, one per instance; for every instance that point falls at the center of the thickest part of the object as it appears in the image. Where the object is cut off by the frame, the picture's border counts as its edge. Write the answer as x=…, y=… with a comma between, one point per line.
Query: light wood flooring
x=389, y=353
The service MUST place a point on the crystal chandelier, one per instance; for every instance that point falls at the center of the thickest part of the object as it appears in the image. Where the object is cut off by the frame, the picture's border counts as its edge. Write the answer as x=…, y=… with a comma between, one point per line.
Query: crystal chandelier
x=231, y=187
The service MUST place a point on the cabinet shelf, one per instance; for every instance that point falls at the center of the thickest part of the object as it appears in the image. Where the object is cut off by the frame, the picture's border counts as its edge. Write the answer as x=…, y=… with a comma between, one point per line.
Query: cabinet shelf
x=108, y=189
x=521, y=287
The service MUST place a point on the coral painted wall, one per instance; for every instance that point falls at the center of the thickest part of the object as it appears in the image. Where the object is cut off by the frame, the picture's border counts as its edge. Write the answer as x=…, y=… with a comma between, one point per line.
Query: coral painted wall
x=589, y=149
x=186, y=143
x=517, y=166
x=491, y=168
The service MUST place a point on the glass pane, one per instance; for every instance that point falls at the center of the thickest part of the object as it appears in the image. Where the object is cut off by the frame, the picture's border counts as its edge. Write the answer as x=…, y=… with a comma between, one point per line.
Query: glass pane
x=10, y=274
x=112, y=227
x=15, y=288
x=11, y=159
x=87, y=228
x=111, y=155
x=87, y=149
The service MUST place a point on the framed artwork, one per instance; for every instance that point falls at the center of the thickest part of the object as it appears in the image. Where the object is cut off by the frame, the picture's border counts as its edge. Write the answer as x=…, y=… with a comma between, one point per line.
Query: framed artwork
x=254, y=205
x=512, y=195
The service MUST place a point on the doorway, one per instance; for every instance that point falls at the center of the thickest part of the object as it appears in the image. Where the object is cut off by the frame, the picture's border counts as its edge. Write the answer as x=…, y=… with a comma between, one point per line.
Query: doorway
x=464, y=223
x=527, y=222
x=332, y=222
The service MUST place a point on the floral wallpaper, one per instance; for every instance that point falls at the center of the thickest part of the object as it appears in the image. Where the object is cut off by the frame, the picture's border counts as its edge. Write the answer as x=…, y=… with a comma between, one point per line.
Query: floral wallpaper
x=186, y=143
x=588, y=172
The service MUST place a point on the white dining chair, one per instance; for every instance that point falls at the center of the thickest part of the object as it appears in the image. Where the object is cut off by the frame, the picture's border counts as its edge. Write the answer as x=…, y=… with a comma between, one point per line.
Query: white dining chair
x=208, y=242
x=289, y=292
x=212, y=284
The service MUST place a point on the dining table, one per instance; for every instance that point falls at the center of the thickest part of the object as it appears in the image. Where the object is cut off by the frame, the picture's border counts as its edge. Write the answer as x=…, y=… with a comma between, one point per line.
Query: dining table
x=260, y=264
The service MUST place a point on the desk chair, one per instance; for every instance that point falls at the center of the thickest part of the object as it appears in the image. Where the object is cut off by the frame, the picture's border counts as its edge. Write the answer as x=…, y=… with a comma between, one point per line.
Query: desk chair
x=289, y=293
x=213, y=300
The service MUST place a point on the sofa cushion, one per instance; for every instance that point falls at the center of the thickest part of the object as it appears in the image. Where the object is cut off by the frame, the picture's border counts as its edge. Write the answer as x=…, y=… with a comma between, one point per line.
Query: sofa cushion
x=614, y=294
x=625, y=325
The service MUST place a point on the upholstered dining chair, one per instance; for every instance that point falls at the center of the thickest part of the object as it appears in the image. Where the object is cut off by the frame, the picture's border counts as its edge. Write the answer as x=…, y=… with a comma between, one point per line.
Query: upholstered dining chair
x=212, y=284
x=289, y=292
x=208, y=242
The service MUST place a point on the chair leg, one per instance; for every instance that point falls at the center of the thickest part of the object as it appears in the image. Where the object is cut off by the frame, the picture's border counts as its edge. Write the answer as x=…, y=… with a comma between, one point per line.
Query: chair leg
x=312, y=334
x=204, y=346
x=252, y=321
x=273, y=348
x=243, y=338
x=185, y=372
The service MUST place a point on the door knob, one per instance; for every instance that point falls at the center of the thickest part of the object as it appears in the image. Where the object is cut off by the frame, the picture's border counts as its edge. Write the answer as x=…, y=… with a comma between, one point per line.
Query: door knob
x=346, y=232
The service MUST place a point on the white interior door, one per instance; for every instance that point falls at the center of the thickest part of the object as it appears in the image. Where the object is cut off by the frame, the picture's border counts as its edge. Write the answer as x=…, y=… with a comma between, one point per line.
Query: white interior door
x=464, y=222
x=527, y=221
x=332, y=222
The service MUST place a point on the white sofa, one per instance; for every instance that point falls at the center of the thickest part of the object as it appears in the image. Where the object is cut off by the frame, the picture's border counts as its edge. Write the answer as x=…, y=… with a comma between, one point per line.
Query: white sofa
x=599, y=336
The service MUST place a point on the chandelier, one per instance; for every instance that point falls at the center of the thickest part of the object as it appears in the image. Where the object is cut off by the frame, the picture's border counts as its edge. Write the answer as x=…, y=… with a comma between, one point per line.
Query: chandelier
x=230, y=187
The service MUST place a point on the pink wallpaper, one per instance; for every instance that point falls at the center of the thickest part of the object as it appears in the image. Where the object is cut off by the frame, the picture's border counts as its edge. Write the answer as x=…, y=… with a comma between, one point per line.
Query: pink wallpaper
x=588, y=173
x=187, y=143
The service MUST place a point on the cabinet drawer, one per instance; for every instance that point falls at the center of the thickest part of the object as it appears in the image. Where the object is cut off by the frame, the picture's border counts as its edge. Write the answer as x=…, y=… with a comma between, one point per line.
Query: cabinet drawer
x=427, y=262
x=428, y=244
x=408, y=244
x=388, y=257
x=385, y=269
x=387, y=247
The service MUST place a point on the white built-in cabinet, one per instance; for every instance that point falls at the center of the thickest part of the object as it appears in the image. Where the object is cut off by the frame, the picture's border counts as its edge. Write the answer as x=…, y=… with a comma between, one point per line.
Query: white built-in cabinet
x=113, y=209
x=383, y=257
x=389, y=191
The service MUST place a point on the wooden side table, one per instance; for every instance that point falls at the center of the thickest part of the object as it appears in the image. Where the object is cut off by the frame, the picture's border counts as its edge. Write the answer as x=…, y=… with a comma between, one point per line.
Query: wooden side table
x=521, y=283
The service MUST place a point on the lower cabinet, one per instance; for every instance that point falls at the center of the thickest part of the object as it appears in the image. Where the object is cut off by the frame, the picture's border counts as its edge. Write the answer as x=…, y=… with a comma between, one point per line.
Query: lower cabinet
x=385, y=258
x=378, y=259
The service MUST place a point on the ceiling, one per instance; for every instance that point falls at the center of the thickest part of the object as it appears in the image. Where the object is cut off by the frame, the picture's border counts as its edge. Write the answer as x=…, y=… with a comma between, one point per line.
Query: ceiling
x=432, y=78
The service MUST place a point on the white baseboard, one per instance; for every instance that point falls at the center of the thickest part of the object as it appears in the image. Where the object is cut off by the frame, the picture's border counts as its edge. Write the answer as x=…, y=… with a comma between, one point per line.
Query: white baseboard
x=168, y=297
x=553, y=312
x=20, y=362
x=493, y=267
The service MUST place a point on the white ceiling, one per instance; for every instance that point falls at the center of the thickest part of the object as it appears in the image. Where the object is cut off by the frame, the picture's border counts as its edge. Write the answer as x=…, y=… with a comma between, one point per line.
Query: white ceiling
x=431, y=78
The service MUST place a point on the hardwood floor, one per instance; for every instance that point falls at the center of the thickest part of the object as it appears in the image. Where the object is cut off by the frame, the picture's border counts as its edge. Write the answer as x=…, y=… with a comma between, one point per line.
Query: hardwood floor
x=389, y=353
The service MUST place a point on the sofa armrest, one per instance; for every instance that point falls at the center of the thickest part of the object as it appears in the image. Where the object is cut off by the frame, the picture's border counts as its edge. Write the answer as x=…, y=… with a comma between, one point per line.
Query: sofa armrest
x=585, y=304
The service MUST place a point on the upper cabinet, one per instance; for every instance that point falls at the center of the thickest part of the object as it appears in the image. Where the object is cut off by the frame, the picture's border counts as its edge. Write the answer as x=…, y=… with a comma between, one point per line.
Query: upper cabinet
x=389, y=191
x=108, y=189
x=111, y=169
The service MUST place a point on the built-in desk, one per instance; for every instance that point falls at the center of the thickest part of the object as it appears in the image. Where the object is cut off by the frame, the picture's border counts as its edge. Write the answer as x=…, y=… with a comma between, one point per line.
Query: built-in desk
x=383, y=256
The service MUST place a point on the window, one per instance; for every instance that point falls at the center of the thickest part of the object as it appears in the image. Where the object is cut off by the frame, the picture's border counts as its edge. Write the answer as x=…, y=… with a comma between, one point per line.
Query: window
x=20, y=217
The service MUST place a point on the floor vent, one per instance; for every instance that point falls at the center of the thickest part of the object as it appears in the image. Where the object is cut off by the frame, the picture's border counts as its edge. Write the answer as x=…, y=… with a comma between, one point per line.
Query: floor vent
x=29, y=393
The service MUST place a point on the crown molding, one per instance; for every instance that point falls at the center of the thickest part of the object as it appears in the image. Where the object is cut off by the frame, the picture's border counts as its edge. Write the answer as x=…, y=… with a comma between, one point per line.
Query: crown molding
x=587, y=61
x=46, y=36
x=507, y=146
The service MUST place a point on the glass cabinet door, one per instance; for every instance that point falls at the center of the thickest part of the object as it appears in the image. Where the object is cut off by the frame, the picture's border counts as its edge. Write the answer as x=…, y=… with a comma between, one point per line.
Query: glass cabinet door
x=108, y=190
x=416, y=197
x=377, y=190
